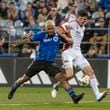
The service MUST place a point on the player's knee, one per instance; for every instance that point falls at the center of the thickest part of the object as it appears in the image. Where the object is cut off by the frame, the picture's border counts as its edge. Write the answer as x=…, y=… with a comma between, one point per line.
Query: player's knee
x=89, y=71
x=60, y=77
x=20, y=80
x=68, y=76
x=68, y=73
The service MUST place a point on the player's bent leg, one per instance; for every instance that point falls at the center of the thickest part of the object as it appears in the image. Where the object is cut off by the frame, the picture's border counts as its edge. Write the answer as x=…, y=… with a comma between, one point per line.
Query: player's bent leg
x=69, y=72
x=76, y=98
x=93, y=83
x=17, y=84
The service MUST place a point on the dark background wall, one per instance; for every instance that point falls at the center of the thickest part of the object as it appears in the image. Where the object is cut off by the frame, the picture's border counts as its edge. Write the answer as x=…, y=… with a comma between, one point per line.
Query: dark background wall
x=12, y=68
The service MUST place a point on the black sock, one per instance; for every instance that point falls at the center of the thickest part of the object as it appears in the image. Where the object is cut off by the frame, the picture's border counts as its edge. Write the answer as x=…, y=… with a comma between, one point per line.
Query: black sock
x=16, y=85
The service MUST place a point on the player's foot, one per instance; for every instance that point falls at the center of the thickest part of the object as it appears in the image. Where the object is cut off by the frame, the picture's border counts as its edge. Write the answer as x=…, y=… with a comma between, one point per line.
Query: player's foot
x=13, y=89
x=77, y=98
x=55, y=90
x=11, y=93
x=101, y=96
x=54, y=93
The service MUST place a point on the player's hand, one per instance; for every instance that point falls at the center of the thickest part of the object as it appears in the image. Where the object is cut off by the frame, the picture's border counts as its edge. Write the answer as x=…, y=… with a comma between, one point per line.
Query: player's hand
x=69, y=40
x=24, y=37
x=26, y=40
x=29, y=34
x=13, y=45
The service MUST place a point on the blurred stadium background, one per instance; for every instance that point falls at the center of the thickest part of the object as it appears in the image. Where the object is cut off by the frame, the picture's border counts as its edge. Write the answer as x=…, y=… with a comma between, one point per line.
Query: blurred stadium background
x=18, y=17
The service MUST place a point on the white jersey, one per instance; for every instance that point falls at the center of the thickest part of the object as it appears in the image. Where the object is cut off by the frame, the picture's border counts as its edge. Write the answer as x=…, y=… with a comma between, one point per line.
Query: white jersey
x=76, y=31
x=70, y=17
x=72, y=55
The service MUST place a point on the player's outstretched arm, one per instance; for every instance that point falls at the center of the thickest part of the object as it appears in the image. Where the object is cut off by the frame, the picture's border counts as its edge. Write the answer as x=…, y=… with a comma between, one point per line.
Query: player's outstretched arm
x=25, y=39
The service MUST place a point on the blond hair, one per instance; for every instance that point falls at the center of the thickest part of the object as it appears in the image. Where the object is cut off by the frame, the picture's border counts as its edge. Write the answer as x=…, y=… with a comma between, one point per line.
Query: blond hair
x=49, y=23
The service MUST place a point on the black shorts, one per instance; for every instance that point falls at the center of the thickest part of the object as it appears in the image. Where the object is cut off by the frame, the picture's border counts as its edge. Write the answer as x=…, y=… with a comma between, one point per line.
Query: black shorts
x=36, y=66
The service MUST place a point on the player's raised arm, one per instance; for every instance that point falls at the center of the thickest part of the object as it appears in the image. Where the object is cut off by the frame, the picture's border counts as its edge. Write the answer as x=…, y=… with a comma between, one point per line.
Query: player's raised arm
x=64, y=32
x=25, y=39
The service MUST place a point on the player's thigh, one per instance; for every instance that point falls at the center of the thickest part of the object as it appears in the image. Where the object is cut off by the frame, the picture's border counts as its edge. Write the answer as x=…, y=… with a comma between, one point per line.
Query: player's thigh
x=81, y=62
x=69, y=72
x=52, y=70
x=84, y=65
x=35, y=68
x=67, y=59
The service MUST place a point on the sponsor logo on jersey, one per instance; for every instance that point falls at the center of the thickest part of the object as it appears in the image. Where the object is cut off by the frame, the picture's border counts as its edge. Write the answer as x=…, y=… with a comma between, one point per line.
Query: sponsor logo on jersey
x=55, y=39
x=47, y=40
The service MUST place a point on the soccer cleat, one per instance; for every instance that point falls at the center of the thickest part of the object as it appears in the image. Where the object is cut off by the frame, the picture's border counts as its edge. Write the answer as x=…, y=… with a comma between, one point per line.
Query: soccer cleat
x=10, y=95
x=77, y=98
x=13, y=89
x=54, y=93
x=101, y=96
x=55, y=90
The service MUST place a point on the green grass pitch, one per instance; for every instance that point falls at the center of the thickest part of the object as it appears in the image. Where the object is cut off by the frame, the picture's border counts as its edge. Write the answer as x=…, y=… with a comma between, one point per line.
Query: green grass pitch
x=39, y=98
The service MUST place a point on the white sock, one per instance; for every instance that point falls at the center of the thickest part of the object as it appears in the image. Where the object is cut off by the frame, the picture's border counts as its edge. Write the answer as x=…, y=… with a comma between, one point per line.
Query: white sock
x=56, y=84
x=94, y=86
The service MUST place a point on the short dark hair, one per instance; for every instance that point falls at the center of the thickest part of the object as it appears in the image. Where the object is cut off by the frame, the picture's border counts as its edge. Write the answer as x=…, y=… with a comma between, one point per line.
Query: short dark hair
x=82, y=13
x=12, y=3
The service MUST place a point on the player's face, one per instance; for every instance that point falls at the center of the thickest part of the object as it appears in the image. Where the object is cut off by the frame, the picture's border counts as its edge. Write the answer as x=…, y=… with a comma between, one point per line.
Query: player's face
x=82, y=20
x=50, y=29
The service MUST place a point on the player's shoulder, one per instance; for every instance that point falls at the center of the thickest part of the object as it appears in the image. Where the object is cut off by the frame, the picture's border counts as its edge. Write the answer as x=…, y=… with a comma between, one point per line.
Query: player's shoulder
x=41, y=32
x=40, y=35
x=73, y=22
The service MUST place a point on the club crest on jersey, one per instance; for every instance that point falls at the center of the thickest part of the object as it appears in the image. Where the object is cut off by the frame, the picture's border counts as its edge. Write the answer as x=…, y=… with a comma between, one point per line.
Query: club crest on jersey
x=55, y=39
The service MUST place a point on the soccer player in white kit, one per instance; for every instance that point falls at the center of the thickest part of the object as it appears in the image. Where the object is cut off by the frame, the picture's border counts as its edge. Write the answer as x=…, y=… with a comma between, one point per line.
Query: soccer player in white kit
x=72, y=54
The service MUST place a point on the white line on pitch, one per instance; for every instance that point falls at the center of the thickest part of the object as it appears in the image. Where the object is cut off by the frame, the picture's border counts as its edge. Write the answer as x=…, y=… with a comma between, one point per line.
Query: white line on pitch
x=46, y=103
x=90, y=102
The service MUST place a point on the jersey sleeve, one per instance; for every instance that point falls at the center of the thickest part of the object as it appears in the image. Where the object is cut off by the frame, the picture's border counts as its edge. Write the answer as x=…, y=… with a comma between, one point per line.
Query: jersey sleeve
x=65, y=26
x=69, y=25
x=37, y=37
x=73, y=24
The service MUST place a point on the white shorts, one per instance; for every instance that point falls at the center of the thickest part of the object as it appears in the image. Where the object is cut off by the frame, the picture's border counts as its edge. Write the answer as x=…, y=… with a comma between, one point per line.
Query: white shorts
x=74, y=57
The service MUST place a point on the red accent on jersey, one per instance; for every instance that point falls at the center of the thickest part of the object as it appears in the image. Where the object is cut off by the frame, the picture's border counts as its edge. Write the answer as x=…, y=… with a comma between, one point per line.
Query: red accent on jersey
x=62, y=27
x=65, y=47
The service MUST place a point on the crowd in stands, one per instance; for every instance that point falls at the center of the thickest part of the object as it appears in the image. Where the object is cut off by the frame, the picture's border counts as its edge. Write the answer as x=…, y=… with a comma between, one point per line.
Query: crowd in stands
x=20, y=16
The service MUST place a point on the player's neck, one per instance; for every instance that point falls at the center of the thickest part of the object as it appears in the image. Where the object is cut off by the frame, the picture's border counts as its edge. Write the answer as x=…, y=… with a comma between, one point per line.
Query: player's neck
x=79, y=23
